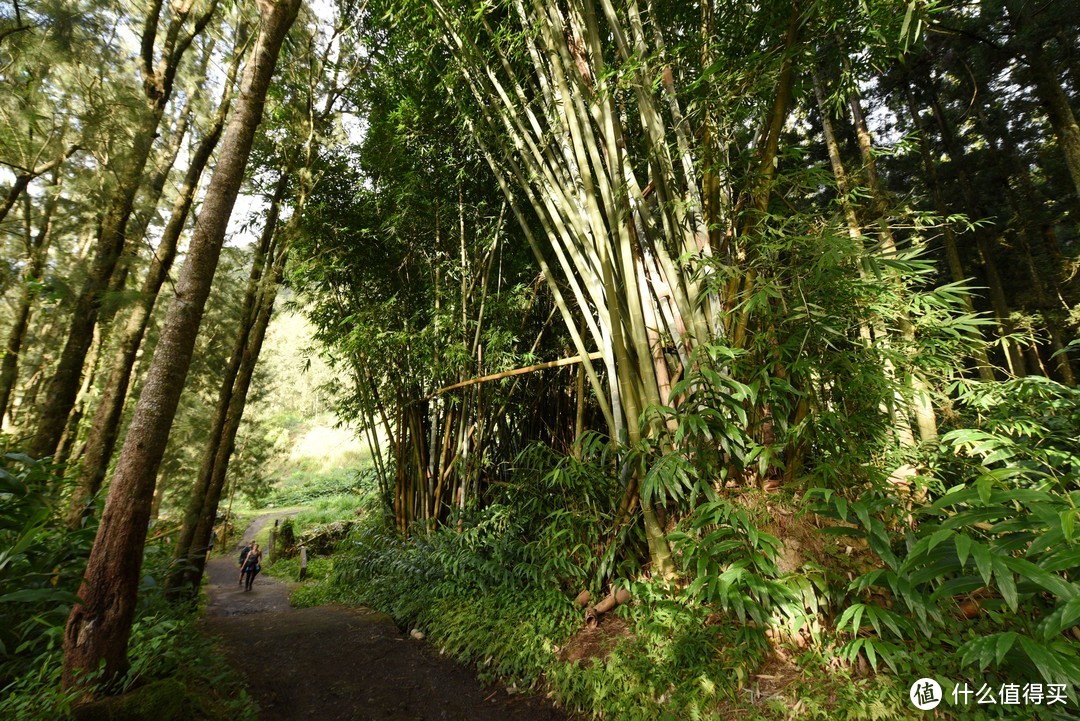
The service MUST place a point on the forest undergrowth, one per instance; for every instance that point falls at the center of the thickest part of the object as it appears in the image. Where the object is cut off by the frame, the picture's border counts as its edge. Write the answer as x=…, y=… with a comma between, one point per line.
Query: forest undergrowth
x=175, y=672
x=821, y=603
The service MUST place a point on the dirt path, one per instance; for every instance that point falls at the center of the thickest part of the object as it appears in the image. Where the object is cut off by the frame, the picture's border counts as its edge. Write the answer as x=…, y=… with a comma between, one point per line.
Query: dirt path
x=336, y=663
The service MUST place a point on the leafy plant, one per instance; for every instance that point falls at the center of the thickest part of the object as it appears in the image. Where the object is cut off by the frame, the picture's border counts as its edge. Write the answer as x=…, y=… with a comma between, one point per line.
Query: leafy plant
x=41, y=561
x=732, y=563
x=988, y=562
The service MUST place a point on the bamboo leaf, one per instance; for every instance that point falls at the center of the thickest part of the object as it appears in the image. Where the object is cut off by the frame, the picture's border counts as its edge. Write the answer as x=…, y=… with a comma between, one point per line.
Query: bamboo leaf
x=1041, y=577
x=1068, y=524
x=963, y=547
x=1003, y=643
x=981, y=554
x=1049, y=667
x=1061, y=618
x=1005, y=582
x=871, y=653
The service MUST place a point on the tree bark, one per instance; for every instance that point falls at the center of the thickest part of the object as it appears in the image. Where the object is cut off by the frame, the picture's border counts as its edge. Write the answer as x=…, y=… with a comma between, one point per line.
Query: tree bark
x=1026, y=205
x=23, y=179
x=925, y=418
x=1049, y=90
x=986, y=245
x=952, y=253
x=894, y=407
x=37, y=255
x=105, y=427
x=235, y=414
x=64, y=386
x=185, y=552
x=99, y=626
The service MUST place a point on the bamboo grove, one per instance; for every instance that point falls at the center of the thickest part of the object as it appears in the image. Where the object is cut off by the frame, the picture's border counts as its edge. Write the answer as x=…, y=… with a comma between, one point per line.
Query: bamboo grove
x=704, y=204
x=703, y=246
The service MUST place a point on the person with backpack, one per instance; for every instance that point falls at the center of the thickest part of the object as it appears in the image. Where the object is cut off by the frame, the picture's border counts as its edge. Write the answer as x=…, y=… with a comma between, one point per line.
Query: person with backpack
x=252, y=566
x=244, y=553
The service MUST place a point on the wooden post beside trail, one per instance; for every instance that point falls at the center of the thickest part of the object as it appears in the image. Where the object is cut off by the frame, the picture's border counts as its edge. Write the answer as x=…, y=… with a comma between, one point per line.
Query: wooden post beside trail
x=303, y=562
x=270, y=544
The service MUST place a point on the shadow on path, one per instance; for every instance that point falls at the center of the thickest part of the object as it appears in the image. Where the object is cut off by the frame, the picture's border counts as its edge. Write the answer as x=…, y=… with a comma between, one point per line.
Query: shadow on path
x=336, y=663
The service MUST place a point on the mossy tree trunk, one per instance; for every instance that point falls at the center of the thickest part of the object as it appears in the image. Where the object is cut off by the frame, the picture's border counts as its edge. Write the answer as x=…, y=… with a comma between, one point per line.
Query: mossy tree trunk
x=99, y=626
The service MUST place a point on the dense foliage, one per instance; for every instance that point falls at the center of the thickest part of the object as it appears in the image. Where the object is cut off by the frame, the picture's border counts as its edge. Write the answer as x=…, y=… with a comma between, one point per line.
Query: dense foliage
x=40, y=571
x=774, y=228
x=762, y=313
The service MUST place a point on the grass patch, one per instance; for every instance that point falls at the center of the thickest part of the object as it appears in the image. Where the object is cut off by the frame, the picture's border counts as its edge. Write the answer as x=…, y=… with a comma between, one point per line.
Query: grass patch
x=288, y=569
x=327, y=509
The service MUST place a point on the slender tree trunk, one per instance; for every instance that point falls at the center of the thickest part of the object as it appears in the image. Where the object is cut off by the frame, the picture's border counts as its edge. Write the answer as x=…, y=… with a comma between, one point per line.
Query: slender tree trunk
x=158, y=84
x=986, y=245
x=233, y=418
x=186, y=551
x=105, y=427
x=894, y=406
x=952, y=253
x=64, y=386
x=925, y=418
x=37, y=254
x=1048, y=88
x=70, y=436
x=23, y=179
x=100, y=623
x=155, y=185
x=1024, y=200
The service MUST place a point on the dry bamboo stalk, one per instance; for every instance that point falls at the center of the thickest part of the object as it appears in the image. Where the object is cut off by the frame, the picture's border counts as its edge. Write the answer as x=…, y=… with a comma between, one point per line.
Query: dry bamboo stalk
x=517, y=371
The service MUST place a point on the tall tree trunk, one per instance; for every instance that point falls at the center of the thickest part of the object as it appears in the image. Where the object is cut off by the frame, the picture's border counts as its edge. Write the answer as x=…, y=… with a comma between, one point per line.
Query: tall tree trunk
x=158, y=85
x=952, y=253
x=233, y=417
x=64, y=386
x=105, y=427
x=37, y=254
x=185, y=552
x=100, y=623
x=894, y=407
x=1048, y=88
x=68, y=440
x=925, y=418
x=987, y=246
x=1025, y=203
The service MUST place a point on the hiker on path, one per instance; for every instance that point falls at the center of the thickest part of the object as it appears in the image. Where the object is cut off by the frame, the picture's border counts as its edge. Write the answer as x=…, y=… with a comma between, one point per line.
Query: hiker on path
x=252, y=566
x=244, y=553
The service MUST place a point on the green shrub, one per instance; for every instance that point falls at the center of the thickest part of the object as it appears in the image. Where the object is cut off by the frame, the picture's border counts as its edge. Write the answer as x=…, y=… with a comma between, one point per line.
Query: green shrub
x=316, y=487
x=163, y=646
x=41, y=561
x=984, y=572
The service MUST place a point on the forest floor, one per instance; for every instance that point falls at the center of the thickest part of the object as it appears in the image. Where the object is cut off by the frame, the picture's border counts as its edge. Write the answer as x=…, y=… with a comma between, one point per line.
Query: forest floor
x=337, y=663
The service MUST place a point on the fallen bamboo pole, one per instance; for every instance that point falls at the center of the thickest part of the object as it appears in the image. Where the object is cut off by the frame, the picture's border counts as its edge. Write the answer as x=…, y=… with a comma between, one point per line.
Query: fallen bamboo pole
x=596, y=355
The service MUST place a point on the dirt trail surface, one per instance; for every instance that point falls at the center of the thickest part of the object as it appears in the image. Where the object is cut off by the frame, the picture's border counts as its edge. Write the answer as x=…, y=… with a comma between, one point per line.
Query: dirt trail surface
x=335, y=663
